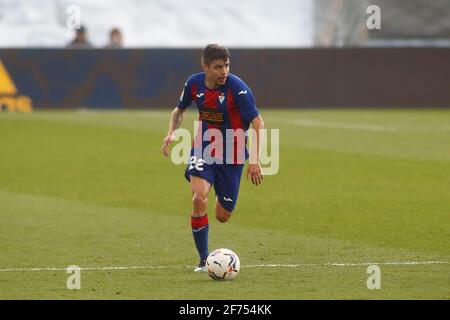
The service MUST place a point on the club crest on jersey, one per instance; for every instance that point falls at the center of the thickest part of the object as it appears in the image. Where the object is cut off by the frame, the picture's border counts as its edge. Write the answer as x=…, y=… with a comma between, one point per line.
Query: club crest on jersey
x=221, y=98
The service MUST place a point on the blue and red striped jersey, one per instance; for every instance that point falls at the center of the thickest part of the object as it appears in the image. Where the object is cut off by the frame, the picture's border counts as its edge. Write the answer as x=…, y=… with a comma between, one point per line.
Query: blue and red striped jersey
x=231, y=106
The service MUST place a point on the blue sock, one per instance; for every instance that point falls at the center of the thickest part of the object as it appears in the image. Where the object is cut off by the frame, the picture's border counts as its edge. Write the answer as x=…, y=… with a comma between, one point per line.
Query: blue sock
x=200, y=228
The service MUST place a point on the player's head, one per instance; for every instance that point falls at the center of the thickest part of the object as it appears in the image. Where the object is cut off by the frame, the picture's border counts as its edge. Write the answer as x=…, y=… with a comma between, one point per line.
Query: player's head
x=216, y=64
x=115, y=37
x=80, y=33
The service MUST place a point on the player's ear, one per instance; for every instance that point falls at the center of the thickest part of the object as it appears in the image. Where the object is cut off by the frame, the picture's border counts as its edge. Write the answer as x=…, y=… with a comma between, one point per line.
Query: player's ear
x=205, y=67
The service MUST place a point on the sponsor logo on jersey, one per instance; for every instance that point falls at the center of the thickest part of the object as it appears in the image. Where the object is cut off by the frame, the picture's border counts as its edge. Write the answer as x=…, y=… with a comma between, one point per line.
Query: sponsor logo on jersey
x=211, y=116
x=182, y=95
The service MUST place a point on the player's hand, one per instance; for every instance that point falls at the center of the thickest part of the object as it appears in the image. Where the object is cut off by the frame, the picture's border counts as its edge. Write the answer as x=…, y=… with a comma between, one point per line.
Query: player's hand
x=166, y=142
x=254, y=172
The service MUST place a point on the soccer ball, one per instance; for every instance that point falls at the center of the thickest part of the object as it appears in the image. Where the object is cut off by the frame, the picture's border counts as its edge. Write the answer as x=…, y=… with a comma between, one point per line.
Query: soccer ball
x=223, y=264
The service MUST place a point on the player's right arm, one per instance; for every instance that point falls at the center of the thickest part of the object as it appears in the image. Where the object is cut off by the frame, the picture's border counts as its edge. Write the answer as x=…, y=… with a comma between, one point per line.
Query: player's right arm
x=177, y=116
x=175, y=121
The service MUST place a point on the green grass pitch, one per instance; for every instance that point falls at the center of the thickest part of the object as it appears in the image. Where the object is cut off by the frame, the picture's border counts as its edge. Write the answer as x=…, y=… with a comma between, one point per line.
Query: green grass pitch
x=355, y=188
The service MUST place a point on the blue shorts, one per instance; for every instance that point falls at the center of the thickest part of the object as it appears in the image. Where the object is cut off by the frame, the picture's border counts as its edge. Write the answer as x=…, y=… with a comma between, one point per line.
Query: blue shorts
x=225, y=178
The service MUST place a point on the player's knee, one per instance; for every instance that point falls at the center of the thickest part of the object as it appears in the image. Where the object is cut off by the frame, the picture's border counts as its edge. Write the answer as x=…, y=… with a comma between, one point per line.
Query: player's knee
x=200, y=201
x=223, y=217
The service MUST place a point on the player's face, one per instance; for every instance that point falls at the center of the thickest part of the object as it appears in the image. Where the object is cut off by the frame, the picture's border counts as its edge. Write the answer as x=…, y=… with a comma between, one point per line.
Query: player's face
x=217, y=72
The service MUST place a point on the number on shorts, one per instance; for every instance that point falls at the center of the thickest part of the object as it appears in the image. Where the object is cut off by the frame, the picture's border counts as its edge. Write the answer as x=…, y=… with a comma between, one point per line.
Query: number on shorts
x=196, y=163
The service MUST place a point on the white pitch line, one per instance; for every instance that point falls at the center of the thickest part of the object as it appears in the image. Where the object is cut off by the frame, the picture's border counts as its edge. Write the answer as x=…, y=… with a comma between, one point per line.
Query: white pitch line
x=335, y=264
x=93, y=268
x=328, y=264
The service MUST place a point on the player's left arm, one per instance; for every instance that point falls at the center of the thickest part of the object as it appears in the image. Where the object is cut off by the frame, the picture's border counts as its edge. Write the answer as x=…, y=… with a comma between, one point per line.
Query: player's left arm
x=254, y=166
x=250, y=113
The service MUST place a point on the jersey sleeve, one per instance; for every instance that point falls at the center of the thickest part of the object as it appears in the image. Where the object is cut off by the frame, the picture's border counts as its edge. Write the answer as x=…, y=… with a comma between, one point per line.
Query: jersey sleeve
x=246, y=102
x=186, y=97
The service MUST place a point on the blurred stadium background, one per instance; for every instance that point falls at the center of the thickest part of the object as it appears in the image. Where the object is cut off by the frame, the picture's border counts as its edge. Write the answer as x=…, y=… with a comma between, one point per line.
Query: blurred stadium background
x=365, y=135
x=296, y=23
x=324, y=48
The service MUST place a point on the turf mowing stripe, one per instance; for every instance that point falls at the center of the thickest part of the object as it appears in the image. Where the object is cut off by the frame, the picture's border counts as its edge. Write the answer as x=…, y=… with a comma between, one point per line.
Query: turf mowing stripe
x=361, y=126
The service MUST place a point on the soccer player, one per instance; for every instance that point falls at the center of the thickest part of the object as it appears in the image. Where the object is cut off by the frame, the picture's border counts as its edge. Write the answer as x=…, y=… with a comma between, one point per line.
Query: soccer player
x=224, y=103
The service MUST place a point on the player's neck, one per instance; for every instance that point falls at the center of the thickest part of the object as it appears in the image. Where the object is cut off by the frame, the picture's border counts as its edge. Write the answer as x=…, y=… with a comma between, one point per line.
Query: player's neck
x=211, y=84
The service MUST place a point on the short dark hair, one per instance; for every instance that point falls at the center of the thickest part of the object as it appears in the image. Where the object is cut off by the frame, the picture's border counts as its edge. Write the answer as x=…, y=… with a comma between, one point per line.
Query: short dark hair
x=81, y=29
x=114, y=31
x=213, y=52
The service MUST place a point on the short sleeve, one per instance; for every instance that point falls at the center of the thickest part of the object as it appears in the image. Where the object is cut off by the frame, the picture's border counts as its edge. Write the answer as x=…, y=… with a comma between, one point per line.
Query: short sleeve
x=186, y=97
x=246, y=102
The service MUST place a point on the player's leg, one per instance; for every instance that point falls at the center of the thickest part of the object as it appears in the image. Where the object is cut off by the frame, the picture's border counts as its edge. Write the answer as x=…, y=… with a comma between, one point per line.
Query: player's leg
x=200, y=189
x=201, y=178
x=199, y=218
x=226, y=185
